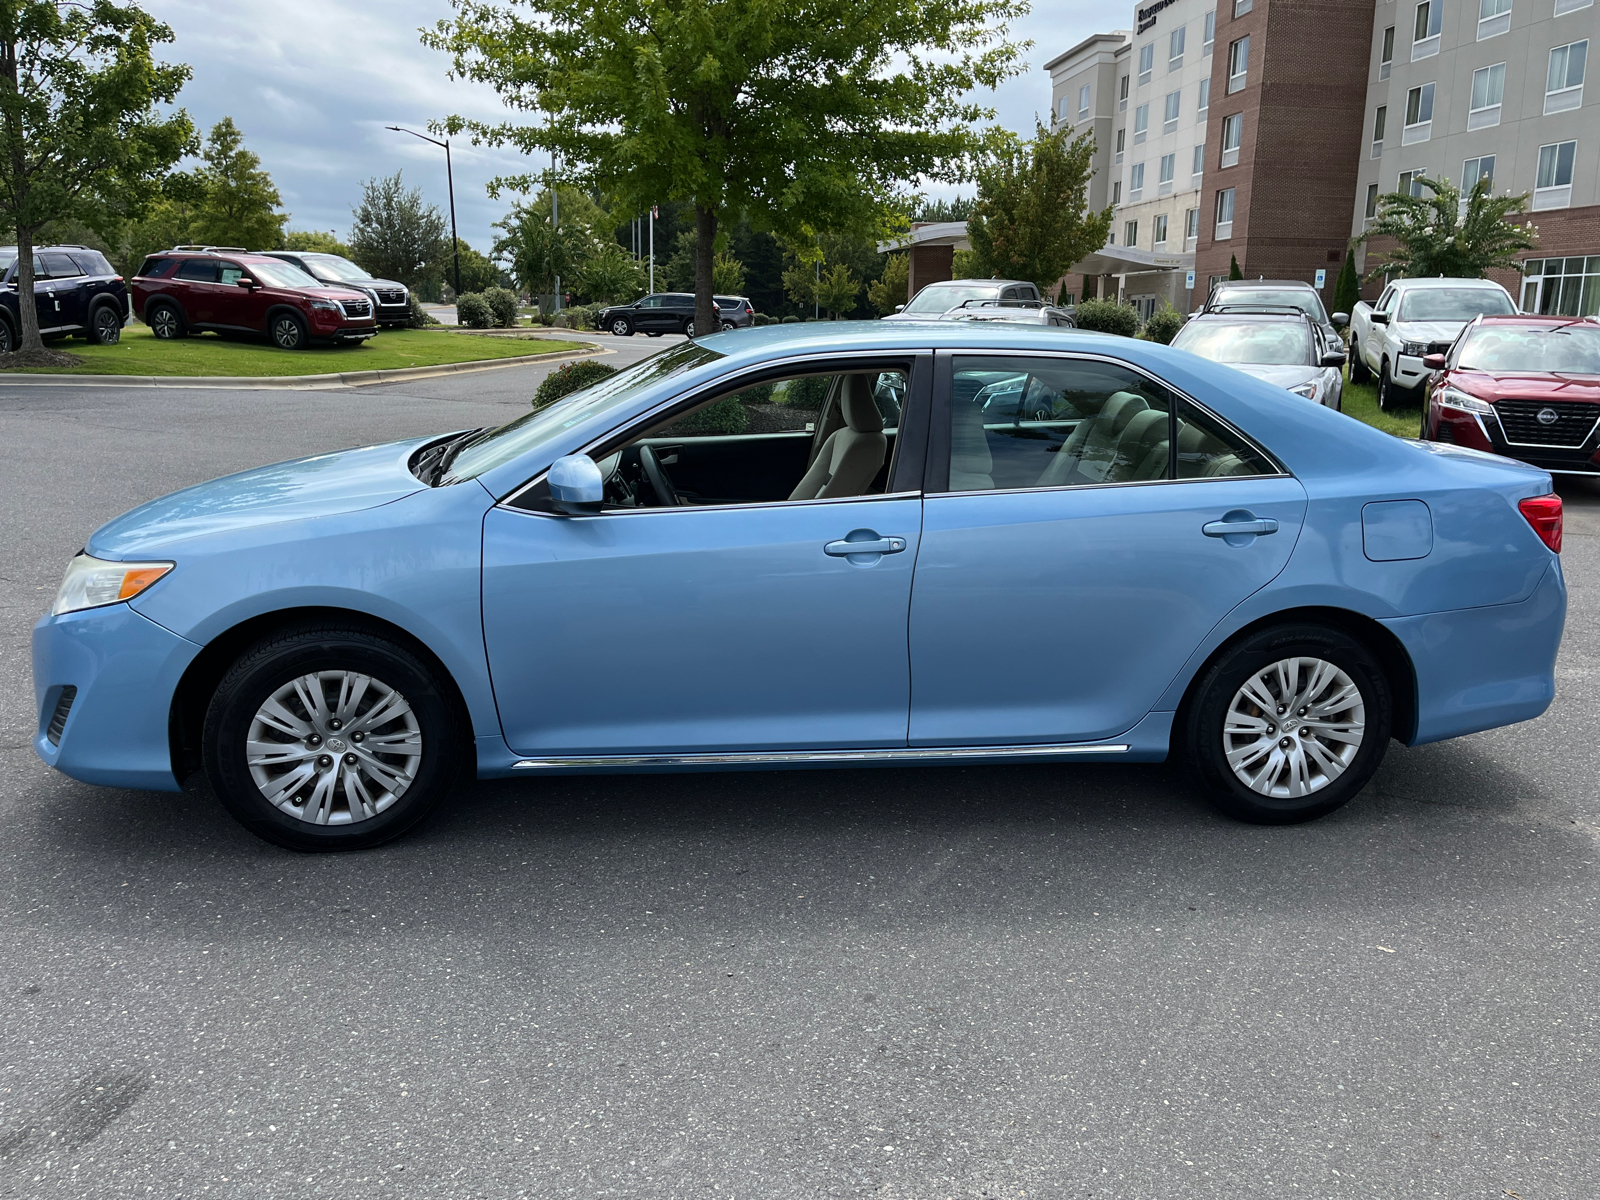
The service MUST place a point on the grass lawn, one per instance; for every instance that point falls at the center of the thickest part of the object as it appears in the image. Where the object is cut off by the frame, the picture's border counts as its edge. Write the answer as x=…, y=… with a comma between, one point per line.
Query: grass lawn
x=140, y=353
x=1361, y=402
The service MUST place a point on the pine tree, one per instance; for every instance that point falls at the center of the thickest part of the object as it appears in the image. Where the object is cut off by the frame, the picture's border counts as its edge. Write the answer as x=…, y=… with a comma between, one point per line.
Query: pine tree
x=1233, y=267
x=1347, y=290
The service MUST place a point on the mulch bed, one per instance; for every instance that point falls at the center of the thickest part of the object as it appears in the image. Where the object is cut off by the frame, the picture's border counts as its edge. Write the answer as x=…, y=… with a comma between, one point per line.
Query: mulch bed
x=39, y=358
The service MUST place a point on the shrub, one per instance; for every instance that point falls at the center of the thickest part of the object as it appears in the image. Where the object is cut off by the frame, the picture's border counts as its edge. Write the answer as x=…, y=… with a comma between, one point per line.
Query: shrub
x=725, y=416
x=1163, y=325
x=568, y=378
x=762, y=319
x=473, y=311
x=1107, y=316
x=420, y=318
x=808, y=391
x=790, y=321
x=579, y=316
x=503, y=302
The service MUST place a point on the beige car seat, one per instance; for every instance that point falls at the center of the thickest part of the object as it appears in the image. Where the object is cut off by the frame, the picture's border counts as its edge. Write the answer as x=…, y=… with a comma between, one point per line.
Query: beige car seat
x=1089, y=454
x=852, y=456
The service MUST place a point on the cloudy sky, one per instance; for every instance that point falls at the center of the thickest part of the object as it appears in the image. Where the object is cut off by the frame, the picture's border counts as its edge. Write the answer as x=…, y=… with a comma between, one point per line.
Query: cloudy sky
x=313, y=83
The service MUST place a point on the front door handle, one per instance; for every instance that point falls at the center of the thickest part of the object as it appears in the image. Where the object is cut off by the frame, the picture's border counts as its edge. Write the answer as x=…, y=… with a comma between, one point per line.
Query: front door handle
x=864, y=546
x=1239, y=527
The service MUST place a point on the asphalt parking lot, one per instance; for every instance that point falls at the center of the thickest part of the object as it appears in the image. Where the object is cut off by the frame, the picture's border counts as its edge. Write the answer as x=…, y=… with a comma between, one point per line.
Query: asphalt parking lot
x=1052, y=981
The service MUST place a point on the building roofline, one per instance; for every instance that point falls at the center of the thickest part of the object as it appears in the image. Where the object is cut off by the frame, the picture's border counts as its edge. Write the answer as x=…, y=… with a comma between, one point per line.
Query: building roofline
x=1120, y=36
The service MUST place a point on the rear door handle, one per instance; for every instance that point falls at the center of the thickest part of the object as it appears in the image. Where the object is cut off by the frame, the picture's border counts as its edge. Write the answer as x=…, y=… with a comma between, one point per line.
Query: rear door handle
x=862, y=546
x=1239, y=527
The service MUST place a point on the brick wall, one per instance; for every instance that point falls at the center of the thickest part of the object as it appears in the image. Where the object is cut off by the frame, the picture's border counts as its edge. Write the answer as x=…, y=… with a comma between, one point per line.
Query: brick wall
x=929, y=264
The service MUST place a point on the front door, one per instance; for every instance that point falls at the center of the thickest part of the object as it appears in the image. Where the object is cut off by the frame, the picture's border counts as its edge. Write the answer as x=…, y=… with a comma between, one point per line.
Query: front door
x=67, y=291
x=650, y=316
x=1072, y=564
x=686, y=620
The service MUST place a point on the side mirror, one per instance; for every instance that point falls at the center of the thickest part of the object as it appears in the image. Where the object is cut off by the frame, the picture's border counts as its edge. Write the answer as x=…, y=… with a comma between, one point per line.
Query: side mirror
x=899, y=308
x=576, y=486
x=1380, y=318
x=1333, y=360
x=245, y=282
x=1341, y=318
x=1433, y=362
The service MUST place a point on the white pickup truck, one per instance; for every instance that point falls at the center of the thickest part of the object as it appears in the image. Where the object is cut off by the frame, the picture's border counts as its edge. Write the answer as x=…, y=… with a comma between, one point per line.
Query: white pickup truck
x=1414, y=318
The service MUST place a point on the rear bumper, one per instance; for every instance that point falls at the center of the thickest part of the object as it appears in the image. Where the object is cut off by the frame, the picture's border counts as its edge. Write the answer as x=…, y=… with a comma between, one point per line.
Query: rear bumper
x=1480, y=668
x=126, y=669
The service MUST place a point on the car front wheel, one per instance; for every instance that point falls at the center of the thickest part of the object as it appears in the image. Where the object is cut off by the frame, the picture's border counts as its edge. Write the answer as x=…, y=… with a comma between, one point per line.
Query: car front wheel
x=166, y=322
x=105, y=327
x=1289, y=725
x=327, y=738
x=1358, y=367
x=621, y=328
x=1389, y=396
x=289, y=332
x=8, y=342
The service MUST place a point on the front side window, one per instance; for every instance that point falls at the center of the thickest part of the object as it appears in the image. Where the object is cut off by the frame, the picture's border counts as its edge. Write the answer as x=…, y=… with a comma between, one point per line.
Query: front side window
x=1225, y=213
x=1238, y=64
x=1147, y=60
x=1232, y=138
x=1564, y=82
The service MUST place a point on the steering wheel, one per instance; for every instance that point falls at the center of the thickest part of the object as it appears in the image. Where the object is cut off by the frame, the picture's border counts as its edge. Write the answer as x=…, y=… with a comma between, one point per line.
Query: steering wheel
x=659, y=483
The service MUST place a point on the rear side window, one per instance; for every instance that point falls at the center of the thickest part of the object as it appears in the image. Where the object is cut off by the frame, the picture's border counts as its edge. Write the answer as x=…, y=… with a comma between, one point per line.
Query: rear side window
x=58, y=265
x=1208, y=449
x=93, y=262
x=154, y=267
x=200, y=270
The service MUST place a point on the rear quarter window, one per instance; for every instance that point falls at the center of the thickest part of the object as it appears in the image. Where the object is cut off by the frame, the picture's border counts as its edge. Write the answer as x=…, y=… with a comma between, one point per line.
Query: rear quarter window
x=93, y=262
x=154, y=267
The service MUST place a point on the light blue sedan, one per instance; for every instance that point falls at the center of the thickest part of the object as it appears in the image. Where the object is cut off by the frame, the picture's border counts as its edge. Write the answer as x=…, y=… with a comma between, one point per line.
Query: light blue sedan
x=785, y=547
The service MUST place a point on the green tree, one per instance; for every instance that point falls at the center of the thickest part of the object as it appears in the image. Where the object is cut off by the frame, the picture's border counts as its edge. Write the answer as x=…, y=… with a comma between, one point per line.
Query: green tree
x=727, y=275
x=539, y=250
x=958, y=209
x=1233, y=267
x=1435, y=234
x=1347, y=288
x=611, y=276
x=889, y=292
x=837, y=291
x=395, y=234
x=478, y=272
x=314, y=241
x=1032, y=219
x=806, y=114
x=239, y=204
x=80, y=134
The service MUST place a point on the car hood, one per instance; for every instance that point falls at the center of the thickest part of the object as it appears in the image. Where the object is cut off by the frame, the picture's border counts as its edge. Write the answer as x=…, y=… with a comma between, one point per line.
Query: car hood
x=1428, y=331
x=1527, y=385
x=325, y=484
x=1281, y=376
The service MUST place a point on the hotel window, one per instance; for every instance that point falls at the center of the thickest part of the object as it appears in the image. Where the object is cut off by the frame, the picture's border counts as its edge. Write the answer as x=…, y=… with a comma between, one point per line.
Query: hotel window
x=1488, y=88
x=1147, y=60
x=1175, y=47
x=1130, y=233
x=1211, y=33
x=1372, y=201
x=1161, y=231
x=1135, y=181
x=1122, y=144
x=1419, y=115
x=1425, y=29
x=1240, y=7
x=1062, y=110
x=1083, y=102
x=1232, y=137
x=1116, y=191
x=1564, y=84
x=1386, y=55
x=1494, y=18
x=1238, y=64
x=1552, y=187
x=1170, y=117
x=1141, y=123
x=1225, y=213
x=1561, y=287
x=1380, y=123
x=1169, y=167
x=1199, y=164
x=1205, y=97
x=1122, y=95
x=1191, y=228
x=1410, y=182
x=1566, y=6
x=1473, y=170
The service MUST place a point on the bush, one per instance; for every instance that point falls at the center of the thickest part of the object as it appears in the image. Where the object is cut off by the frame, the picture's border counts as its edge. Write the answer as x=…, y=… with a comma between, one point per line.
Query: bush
x=790, y=321
x=473, y=311
x=808, y=391
x=725, y=416
x=579, y=316
x=1107, y=316
x=762, y=319
x=420, y=318
x=503, y=302
x=1163, y=325
x=568, y=378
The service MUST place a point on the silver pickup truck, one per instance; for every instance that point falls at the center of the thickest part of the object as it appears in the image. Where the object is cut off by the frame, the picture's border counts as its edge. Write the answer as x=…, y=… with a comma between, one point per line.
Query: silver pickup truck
x=1412, y=319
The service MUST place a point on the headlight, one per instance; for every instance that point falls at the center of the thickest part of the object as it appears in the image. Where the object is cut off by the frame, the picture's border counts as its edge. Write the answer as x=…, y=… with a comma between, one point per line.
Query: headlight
x=1414, y=349
x=330, y=305
x=91, y=582
x=1449, y=397
x=1308, y=390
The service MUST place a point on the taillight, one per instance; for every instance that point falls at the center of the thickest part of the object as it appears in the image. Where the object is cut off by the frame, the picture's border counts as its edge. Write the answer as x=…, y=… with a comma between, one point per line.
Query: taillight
x=1544, y=514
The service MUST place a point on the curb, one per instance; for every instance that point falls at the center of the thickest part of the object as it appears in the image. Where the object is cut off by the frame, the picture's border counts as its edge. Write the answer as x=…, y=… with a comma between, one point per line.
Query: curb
x=293, y=382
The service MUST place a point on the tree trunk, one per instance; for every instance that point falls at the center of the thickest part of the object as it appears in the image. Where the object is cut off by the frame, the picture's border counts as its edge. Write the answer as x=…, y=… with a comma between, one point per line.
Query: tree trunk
x=705, y=228
x=27, y=305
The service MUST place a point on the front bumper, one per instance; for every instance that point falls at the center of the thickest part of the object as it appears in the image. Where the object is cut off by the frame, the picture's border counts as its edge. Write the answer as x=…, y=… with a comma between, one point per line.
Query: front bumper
x=1482, y=432
x=126, y=669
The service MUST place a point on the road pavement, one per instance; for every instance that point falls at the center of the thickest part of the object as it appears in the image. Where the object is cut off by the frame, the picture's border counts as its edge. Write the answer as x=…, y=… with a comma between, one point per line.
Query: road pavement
x=1051, y=981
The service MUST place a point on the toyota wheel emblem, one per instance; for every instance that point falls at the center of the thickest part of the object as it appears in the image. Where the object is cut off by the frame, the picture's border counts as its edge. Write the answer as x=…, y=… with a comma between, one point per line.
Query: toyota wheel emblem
x=1548, y=416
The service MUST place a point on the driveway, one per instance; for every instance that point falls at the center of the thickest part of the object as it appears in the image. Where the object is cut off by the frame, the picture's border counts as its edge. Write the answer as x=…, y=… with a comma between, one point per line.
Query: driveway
x=1051, y=981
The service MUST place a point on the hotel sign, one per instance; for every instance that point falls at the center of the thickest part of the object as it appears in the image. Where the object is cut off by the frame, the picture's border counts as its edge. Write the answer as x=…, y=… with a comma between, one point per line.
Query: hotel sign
x=1147, y=14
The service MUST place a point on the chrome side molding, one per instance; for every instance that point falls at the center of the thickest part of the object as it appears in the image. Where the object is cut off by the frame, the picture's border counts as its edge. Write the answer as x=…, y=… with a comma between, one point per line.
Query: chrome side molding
x=805, y=757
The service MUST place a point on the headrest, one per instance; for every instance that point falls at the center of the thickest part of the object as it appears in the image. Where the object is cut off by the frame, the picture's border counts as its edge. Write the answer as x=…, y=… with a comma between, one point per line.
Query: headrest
x=860, y=410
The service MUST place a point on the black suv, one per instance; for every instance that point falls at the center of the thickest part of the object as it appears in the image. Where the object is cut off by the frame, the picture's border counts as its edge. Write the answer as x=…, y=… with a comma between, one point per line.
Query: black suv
x=390, y=300
x=75, y=290
x=655, y=314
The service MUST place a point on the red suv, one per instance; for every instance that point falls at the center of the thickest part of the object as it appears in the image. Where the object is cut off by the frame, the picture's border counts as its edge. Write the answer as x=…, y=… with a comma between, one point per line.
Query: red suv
x=1523, y=386
x=193, y=288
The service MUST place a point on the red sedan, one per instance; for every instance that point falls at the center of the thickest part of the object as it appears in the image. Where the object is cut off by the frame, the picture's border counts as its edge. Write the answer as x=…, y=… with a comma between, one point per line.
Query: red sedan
x=1523, y=386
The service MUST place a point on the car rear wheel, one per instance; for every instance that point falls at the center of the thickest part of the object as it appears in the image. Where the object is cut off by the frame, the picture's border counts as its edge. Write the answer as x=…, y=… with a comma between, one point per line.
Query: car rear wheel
x=105, y=327
x=8, y=341
x=688, y=327
x=166, y=322
x=726, y=325
x=326, y=738
x=1289, y=725
x=621, y=327
x=289, y=332
x=1358, y=368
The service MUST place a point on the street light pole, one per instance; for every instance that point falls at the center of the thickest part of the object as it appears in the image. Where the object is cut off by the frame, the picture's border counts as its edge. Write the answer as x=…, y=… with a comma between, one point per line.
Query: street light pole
x=450, y=178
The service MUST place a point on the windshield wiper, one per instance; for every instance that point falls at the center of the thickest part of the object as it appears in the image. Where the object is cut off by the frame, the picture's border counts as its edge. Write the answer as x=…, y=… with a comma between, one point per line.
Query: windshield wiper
x=432, y=463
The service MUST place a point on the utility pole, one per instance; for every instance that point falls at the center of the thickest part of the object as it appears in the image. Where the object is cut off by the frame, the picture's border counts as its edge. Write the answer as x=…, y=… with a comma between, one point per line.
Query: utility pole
x=450, y=177
x=653, y=248
x=555, y=224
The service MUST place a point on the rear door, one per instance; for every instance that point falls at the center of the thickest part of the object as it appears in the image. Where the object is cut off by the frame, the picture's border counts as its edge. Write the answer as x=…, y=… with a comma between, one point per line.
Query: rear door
x=68, y=290
x=194, y=285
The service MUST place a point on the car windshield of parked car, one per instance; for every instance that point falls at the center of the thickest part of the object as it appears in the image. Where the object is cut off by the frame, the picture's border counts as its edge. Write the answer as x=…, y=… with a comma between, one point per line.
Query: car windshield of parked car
x=1263, y=343
x=282, y=274
x=499, y=446
x=943, y=299
x=331, y=266
x=1561, y=349
x=1453, y=304
x=1304, y=299
x=7, y=257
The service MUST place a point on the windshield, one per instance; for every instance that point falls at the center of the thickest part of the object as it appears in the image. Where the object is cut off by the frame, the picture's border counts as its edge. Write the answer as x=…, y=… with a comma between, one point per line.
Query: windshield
x=1275, y=343
x=332, y=266
x=939, y=298
x=1306, y=300
x=1568, y=349
x=500, y=446
x=8, y=255
x=1453, y=304
x=282, y=274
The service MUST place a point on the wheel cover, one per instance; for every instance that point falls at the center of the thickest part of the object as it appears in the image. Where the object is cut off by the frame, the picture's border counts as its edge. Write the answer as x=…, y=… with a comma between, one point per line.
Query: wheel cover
x=334, y=748
x=619, y=328
x=1293, y=728
x=286, y=332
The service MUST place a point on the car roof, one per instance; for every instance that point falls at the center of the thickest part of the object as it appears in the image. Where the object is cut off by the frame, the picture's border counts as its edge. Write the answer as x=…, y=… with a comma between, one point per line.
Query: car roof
x=1264, y=283
x=1251, y=312
x=970, y=282
x=1446, y=282
x=212, y=252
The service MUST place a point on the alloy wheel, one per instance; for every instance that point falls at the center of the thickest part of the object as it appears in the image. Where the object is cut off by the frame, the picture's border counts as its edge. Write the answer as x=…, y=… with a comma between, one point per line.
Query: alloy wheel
x=619, y=328
x=107, y=326
x=1294, y=727
x=165, y=323
x=6, y=344
x=287, y=333
x=334, y=747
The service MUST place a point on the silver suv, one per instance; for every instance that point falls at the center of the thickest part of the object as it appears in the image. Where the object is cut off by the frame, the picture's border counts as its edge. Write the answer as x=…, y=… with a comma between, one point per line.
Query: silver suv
x=938, y=299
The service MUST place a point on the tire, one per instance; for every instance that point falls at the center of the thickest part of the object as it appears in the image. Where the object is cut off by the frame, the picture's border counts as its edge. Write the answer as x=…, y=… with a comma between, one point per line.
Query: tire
x=688, y=327
x=288, y=331
x=1224, y=717
x=655, y=333
x=302, y=797
x=727, y=325
x=105, y=326
x=1390, y=395
x=1358, y=367
x=8, y=340
x=165, y=321
x=621, y=327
